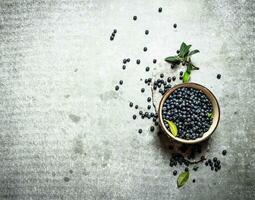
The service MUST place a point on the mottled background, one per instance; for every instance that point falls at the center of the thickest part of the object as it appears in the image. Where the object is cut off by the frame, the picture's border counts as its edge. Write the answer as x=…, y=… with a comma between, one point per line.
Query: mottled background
x=66, y=134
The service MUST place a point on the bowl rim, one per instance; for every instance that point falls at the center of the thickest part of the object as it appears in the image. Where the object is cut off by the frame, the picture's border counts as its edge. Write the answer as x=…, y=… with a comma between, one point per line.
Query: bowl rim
x=164, y=97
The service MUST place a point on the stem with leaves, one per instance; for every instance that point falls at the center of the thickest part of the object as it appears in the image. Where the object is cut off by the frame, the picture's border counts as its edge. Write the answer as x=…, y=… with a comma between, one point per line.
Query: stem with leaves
x=184, y=57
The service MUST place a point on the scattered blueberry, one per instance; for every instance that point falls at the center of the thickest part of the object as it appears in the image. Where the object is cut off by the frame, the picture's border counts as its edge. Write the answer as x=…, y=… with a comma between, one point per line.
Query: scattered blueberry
x=117, y=87
x=154, y=61
x=142, y=90
x=174, y=172
x=173, y=78
x=149, y=99
x=149, y=107
x=121, y=82
x=131, y=104
x=218, y=76
x=138, y=61
x=123, y=67
x=160, y=9
x=136, y=106
x=140, y=131
x=145, y=49
x=146, y=32
x=194, y=180
x=115, y=31
x=147, y=69
x=224, y=152
x=134, y=18
x=175, y=25
x=152, y=128
x=134, y=116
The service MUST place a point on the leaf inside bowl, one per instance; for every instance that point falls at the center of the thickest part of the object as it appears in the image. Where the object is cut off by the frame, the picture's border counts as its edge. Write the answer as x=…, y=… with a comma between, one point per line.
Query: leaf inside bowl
x=172, y=127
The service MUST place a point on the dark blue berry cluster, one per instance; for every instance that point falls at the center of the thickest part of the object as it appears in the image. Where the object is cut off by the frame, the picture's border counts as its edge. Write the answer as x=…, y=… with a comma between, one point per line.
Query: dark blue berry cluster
x=188, y=108
x=113, y=34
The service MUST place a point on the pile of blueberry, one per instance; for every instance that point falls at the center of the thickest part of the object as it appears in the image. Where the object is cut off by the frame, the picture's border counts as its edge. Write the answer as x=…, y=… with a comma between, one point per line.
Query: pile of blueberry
x=190, y=110
x=178, y=159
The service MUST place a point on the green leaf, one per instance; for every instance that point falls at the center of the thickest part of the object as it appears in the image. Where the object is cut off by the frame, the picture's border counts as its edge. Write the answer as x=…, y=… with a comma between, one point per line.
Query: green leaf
x=186, y=76
x=189, y=67
x=194, y=52
x=184, y=50
x=183, y=46
x=182, y=179
x=194, y=67
x=173, y=59
x=172, y=127
x=210, y=115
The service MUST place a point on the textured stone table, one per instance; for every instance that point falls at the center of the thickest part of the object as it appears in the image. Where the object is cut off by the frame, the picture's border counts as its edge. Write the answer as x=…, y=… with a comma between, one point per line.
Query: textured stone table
x=66, y=134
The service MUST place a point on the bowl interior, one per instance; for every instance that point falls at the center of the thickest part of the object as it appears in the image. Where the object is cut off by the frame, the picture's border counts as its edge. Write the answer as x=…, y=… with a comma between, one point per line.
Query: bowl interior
x=215, y=114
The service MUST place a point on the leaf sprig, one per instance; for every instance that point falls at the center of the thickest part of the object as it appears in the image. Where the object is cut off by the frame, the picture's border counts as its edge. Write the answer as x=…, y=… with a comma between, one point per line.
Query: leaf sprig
x=184, y=57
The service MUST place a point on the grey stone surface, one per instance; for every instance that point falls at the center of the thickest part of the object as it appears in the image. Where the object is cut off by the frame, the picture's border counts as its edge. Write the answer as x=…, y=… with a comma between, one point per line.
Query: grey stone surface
x=66, y=134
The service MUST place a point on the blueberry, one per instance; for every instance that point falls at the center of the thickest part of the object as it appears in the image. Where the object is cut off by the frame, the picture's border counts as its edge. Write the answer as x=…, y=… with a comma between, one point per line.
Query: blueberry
x=154, y=60
x=115, y=31
x=138, y=61
x=142, y=90
x=134, y=17
x=149, y=99
x=124, y=67
x=136, y=106
x=149, y=107
x=160, y=9
x=134, y=116
x=111, y=38
x=146, y=32
x=178, y=51
x=175, y=25
x=128, y=59
x=181, y=73
x=224, y=152
x=140, y=131
x=186, y=169
x=214, y=159
x=124, y=61
x=117, y=87
x=194, y=180
x=195, y=168
x=172, y=66
x=161, y=75
x=174, y=172
x=218, y=76
x=147, y=69
x=173, y=78
x=152, y=128
x=169, y=79
x=121, y=82
x=145, y=49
